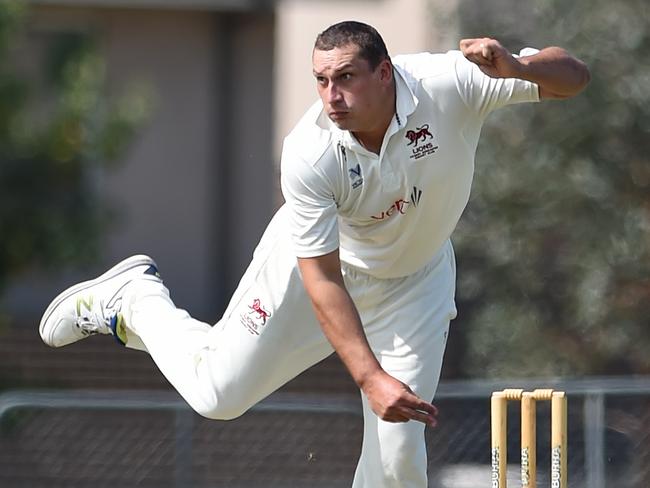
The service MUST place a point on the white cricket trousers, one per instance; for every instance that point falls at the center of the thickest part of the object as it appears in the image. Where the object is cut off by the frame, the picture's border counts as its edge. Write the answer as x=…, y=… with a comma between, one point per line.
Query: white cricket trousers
x=269, y=334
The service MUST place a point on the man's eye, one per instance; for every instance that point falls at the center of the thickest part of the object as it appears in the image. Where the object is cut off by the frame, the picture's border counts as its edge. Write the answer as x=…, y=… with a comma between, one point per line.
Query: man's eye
x=346, y=76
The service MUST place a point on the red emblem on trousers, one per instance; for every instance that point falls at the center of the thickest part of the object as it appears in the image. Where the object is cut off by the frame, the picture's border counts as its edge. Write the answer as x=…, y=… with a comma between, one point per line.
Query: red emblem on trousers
x=261, y=313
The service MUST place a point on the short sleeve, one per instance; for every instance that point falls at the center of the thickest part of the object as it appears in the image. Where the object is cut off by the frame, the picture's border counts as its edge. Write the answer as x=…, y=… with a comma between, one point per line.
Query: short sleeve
x=483, y=93
x=311, y=205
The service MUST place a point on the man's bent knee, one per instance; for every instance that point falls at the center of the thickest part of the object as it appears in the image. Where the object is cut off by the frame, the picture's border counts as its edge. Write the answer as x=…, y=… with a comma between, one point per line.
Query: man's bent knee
x=217, y=410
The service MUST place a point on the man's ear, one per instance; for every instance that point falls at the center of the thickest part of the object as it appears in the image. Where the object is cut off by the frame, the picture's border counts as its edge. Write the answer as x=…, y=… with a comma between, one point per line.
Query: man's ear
x=386, y=70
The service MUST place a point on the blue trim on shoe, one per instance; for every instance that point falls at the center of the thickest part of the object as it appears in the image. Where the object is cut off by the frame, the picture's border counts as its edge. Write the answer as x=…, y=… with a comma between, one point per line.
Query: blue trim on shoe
x=117, y=326
x=153, y=271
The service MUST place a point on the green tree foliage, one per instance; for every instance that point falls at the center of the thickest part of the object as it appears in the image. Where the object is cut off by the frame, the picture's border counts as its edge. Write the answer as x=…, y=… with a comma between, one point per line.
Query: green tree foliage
x=58, y=130
x=554, y=249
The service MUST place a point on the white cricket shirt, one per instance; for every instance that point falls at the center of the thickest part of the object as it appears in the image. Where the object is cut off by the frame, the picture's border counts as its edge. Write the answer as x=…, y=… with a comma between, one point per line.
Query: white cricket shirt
x=390, y=213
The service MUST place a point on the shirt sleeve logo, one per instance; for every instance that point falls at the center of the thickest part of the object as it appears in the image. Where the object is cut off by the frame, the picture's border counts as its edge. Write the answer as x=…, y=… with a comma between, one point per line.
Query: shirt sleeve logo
x=420, y=134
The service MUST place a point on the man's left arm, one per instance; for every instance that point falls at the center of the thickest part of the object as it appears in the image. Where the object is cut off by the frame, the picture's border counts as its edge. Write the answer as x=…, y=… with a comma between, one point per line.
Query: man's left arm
x=557, y=74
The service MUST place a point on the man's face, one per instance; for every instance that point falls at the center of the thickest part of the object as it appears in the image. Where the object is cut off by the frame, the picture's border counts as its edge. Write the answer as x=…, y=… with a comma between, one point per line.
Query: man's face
x=353, y=95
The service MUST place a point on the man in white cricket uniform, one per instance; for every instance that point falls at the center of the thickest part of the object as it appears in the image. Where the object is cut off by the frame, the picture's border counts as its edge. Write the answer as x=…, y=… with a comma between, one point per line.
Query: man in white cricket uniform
x=358, y=260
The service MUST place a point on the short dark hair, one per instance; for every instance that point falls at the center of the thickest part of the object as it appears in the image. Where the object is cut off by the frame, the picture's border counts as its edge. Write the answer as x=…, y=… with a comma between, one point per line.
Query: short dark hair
x=371, y=46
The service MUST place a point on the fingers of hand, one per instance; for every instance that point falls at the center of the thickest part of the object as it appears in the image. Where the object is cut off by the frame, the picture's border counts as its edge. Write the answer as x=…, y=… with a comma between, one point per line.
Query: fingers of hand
x=404, y=414
x=479, y=51
x=412, y=407
x=486, y=51
x=466, y=44
x=424, y=417
x=400, y=404
x=426, y=407
x=426, y=413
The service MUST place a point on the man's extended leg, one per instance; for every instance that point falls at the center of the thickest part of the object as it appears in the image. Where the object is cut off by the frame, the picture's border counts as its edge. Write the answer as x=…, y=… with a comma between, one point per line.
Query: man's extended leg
x=268, y=335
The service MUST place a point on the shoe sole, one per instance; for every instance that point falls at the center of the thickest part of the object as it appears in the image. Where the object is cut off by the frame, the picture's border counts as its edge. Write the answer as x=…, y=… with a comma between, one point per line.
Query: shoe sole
x=121, y=267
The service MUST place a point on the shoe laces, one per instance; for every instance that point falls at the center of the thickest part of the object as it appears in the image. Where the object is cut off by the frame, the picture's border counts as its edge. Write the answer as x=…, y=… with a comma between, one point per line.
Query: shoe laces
x=92, y=319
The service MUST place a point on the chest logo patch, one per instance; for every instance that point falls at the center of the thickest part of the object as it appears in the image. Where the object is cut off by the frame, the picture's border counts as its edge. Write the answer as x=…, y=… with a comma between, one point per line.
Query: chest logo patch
x=420, y=139
x=400, y=206
x=355, y=176
x=354, y=172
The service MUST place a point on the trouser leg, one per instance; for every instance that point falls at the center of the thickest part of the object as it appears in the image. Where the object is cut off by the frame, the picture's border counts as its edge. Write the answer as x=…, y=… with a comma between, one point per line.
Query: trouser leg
x=267, y=336
x=406, y=322
x=393, y=455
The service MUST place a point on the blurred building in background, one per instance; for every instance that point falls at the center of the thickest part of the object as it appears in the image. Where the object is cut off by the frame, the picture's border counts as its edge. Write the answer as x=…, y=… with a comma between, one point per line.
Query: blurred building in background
x=229, y=79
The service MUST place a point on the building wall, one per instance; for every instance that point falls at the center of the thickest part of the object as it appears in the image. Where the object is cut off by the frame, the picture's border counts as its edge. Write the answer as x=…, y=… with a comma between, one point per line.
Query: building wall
x=198, y=184
x=249, y=200
x=187, y=191
x=165, y=185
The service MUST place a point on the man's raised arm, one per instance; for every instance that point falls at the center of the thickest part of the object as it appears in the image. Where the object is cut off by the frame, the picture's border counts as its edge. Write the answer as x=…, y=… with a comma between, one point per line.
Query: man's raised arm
x=558, y=74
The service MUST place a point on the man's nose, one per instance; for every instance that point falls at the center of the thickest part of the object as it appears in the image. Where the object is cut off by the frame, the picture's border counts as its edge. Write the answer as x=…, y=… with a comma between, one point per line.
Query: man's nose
x=333, y=93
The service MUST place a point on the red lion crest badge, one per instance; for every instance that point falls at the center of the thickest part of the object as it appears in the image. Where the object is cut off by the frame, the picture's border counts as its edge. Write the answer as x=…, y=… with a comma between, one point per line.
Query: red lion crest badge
x=420, y=133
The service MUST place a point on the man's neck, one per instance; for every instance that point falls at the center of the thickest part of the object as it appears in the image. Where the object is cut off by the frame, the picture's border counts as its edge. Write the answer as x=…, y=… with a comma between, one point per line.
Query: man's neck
x=373, y=139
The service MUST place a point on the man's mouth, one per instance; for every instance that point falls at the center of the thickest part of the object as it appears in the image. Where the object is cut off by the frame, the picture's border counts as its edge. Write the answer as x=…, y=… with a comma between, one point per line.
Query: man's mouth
x=338, y=114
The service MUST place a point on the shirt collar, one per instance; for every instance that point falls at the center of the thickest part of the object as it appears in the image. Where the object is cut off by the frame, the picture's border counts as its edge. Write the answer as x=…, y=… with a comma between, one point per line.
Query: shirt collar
x=406, y=101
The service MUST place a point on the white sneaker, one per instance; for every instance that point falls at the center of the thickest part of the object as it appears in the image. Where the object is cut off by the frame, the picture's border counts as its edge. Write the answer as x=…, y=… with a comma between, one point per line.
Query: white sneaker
x=95, y=306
